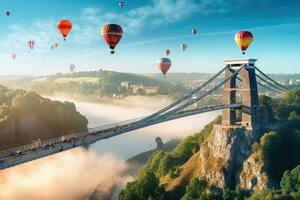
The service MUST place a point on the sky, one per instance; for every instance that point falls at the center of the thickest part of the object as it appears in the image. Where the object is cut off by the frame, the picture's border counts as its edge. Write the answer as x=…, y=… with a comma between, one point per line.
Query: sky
x=150, y=26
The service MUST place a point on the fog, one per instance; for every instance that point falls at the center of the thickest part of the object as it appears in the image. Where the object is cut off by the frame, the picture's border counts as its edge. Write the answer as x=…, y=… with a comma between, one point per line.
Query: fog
x=134, y=142
x=69, y=175
x=75, y=174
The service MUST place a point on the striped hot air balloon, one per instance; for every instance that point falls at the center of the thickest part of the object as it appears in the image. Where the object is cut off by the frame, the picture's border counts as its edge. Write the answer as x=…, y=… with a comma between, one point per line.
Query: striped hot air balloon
x=164, y=65
x=31, y=44
x=64, y=26
x=243, y=40
x=112, y=34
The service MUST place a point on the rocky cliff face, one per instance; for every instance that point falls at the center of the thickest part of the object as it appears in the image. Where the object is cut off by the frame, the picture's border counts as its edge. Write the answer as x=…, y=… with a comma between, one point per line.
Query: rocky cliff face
x=225, y=159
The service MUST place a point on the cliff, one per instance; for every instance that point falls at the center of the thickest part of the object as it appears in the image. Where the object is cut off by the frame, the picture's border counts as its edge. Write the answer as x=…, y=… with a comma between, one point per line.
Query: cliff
x=229, y=162
x=219, y=159
x=26, y=116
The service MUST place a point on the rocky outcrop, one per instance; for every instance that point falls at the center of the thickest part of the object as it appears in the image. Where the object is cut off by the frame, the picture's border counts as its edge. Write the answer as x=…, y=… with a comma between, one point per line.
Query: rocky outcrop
x=222, y=155
x=225, y=159
x=254, y=174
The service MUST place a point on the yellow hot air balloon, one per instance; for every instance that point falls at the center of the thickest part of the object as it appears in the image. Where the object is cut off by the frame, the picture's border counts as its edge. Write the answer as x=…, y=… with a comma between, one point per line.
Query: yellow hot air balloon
x=243, y=39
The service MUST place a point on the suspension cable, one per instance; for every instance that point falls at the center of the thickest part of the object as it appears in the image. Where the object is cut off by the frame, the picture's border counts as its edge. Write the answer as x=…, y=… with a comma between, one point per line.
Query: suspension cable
x=186, y=96
x=271, y=84
x=271, y=79
x=203, y=95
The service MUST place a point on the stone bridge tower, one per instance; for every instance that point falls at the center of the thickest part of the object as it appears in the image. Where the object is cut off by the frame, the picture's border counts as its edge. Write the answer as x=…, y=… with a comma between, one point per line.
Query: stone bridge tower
x=247, y=94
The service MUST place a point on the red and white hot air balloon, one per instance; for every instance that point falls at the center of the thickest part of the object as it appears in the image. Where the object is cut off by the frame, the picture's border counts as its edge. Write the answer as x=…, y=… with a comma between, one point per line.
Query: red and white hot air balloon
x=14, y=56
x=31, y=44
x=164, y=65
x=112, y=34
x=167, y=52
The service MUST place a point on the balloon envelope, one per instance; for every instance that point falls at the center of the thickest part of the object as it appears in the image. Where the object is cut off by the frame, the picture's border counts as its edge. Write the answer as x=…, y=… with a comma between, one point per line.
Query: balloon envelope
x=112, y=34
x=72, y=68
x=194, y=31
x=167, y=51
x=14, y=56
x=121, y=4
x=164, y=64
x=31, y=44
x=243, y=39
x=7, y=13
x=64, y=26
x=183, y=47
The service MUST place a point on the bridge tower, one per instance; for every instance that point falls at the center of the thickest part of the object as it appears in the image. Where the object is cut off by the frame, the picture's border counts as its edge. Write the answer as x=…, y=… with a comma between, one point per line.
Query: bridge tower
x=248, y=95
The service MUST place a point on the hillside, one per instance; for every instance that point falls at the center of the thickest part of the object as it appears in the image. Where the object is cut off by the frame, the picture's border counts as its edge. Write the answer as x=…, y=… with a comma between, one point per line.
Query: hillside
x=26, y=116
x=98, y=84
x=228, y=164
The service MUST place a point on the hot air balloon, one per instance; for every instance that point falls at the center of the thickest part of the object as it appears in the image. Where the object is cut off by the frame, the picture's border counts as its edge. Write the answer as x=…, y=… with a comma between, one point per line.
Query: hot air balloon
x=121, y=4
x=56, y=45
x=164, y=65
x=167, y=52
x=112, y=34
x=64, y=26
x=14, y=56
x=7, y=13
x=243, y=39
x=31, y=44
x=72, y=68
x=52, y=47
x=183, y=47
x=194, y=31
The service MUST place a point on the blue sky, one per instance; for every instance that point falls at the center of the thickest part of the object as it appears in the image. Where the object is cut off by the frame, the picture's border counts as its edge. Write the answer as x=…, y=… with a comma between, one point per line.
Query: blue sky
x=149, y=26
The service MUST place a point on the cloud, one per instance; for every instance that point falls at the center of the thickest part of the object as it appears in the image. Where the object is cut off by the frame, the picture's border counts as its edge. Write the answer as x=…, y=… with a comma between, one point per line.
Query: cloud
x=69, y=175
x=87, y=24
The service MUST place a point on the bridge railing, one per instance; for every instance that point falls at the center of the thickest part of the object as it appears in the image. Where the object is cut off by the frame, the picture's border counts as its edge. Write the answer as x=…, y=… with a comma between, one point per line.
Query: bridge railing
x=55, y=140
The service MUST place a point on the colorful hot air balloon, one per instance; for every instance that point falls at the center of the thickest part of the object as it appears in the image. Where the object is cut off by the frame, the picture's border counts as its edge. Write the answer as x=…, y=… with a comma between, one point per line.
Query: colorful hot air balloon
x=72, y=68
x=183, y=47
x=7, y=13
x=112, y=34
x=243, y=39
x=167, y=52
x=121, y=4
x=14, y=56
x=64, y=26
x=164, y=65
x=194, y=31
x=31, y=44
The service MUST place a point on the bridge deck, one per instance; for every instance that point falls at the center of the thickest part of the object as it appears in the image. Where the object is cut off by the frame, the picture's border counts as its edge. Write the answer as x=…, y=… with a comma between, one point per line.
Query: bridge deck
x=25, y=153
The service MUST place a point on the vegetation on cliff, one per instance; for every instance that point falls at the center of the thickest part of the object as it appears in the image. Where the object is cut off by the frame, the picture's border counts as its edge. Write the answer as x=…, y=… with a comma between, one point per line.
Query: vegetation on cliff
x=26, y=116
x=277, y=150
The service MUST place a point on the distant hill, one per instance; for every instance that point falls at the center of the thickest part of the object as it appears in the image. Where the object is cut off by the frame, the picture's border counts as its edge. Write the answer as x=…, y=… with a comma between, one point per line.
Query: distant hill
x=98, y=84
x=26, y=116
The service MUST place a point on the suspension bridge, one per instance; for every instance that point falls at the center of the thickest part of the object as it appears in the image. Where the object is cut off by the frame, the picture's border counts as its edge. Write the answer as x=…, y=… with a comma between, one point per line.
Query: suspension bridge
x=239, y=79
